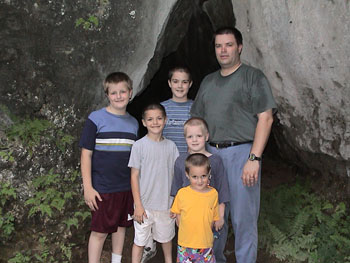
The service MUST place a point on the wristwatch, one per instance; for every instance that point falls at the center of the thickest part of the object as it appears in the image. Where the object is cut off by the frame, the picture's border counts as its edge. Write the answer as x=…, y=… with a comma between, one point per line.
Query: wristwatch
x=253, y=157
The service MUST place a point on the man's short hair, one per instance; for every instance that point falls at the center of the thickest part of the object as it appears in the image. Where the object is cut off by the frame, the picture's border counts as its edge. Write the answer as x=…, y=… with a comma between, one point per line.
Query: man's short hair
x=230, y=30
x=180, y=69
x=153, y=106
x=197, y=159
x=196, y=121
x=115, y=78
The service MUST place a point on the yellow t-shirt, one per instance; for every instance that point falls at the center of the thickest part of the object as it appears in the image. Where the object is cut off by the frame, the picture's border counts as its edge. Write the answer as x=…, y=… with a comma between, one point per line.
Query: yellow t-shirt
x=198, y=212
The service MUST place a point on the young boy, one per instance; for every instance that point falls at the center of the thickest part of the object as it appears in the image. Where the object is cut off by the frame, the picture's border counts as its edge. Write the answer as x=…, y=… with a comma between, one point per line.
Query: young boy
x=196, y=209
x=196, y=134
x=105, y=144
x=178, y=111
x=178, y=107
x=152, y=162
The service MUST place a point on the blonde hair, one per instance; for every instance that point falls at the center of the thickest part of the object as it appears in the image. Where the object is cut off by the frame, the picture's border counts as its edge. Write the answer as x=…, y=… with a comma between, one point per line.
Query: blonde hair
x=196, y=121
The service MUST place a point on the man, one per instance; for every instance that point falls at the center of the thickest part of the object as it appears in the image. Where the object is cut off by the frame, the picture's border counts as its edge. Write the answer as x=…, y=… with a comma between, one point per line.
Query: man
x=238, y=105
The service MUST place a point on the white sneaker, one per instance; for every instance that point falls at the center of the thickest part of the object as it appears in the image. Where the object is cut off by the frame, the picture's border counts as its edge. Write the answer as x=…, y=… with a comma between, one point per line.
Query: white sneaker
x=148, y=253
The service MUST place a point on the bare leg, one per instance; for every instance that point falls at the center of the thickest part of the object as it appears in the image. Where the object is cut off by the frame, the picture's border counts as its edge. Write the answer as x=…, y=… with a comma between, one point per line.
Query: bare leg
x=167, y=252
x=136, y=254
x=96, y=242
x=118, y=241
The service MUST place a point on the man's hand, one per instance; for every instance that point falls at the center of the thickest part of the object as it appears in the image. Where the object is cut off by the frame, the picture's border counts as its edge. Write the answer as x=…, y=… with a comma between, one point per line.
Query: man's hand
x=90, y=195
x=250, y=173
x=139, y=214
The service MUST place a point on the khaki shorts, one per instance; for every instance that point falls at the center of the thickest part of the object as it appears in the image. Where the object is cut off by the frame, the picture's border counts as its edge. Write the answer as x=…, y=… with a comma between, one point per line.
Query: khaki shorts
x=158, y=225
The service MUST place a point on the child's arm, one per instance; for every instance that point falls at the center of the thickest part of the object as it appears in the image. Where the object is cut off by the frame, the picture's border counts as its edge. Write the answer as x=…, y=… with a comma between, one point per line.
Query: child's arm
x=218, y=224
x=90, y=194
x=139, y=211
x=175, y=210
x=177, y=220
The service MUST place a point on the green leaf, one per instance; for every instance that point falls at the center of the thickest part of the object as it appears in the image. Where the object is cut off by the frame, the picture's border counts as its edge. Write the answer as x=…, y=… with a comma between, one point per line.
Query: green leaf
x=94, y=20
x=79, y=21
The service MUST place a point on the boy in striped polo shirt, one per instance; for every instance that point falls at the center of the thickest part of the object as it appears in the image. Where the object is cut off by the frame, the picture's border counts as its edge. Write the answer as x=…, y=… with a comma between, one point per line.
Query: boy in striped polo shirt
x=178, y=107
x=105, y=144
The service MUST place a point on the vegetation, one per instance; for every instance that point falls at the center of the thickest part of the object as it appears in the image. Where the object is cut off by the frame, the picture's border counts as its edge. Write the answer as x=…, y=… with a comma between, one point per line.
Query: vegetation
x=88, y=24
x=295, y=225
x=298, y=226
x=52, y=200
x=7, y=196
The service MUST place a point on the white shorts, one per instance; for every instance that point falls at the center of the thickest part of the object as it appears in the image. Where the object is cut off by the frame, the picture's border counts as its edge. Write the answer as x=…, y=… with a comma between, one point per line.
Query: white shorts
x=158, y=225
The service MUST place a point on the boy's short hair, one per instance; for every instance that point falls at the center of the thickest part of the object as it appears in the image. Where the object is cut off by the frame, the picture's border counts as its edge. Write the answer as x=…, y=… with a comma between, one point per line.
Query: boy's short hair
x=197, y=159
x=196, y=121
x=230, y=30
x=180, y=69
x=115, y=78
x=153, y=106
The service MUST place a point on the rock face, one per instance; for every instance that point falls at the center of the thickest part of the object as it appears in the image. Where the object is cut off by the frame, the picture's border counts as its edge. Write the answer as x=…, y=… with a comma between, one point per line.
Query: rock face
x=54, y=56
x=55, y=53
x=58, y=52
x=304, y=49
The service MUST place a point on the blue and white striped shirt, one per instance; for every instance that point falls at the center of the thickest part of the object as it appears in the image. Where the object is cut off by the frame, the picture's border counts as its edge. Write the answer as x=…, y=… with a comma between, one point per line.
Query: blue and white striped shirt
x=177, y=114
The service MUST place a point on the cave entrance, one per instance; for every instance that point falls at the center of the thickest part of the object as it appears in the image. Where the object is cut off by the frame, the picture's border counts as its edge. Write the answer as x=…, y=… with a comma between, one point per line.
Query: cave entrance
x=195, y=50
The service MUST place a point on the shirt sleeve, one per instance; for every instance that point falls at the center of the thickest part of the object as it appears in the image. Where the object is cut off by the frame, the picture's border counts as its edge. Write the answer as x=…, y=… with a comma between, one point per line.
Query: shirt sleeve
x=177, y=179
x=197, y=109
x=262, y=97
x=216, y=216
x=135, y=156
x=220, y=181
x=175, y=208
x=176, y=151
x=88, y=136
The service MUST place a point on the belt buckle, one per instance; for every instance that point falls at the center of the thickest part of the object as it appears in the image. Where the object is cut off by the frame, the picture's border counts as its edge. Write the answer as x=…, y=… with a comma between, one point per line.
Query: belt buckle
x=217, y=145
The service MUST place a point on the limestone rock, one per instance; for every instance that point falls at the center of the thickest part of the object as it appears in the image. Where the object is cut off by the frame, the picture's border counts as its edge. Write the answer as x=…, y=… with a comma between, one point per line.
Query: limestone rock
x=304, y=49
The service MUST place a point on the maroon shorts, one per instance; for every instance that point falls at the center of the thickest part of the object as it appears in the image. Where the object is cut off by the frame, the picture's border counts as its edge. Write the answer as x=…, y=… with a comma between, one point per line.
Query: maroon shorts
x=113, y=212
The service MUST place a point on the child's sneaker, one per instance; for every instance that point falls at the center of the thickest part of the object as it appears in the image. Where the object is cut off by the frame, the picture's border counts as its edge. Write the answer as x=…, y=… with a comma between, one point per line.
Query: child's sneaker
x=149, y=252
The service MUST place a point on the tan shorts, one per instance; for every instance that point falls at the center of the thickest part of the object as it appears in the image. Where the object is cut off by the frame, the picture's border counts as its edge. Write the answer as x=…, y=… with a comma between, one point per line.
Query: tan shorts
x=158, y=225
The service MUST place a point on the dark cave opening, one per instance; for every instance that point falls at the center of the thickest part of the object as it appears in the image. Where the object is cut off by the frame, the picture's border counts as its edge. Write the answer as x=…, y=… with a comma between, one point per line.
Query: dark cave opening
x=195, y=51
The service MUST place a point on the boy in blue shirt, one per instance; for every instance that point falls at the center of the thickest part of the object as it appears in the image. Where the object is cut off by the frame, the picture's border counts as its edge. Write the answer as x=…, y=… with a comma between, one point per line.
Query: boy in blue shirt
x=105, y=144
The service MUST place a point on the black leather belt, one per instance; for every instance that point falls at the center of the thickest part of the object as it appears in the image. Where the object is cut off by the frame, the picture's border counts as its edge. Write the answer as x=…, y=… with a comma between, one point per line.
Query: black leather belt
x=227, y=144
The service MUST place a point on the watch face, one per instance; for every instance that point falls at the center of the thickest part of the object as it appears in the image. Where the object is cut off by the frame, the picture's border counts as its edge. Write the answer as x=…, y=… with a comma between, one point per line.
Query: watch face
x=252, y=157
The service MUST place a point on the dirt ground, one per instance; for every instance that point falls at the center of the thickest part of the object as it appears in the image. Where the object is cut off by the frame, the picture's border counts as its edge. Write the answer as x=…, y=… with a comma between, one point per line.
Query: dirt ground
x=274, y=173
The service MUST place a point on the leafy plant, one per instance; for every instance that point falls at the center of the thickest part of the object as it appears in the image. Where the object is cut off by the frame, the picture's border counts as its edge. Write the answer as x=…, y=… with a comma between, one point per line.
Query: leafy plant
x=7, y=155
x=28, y=131
x=43, y=255
x=7, y=195
x=297, y=225
x=46, y=196
x=63, y=140
x=88, y=24
x=20, y=258
x=55, y=197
